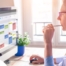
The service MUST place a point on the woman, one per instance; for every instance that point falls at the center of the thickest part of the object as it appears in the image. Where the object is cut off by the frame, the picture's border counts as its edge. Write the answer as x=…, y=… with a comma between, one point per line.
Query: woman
x=48, y=32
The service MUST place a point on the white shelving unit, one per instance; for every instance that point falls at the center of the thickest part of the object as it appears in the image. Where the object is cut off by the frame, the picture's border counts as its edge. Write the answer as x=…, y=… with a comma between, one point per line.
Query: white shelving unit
x=10, y=49
x=8, y=28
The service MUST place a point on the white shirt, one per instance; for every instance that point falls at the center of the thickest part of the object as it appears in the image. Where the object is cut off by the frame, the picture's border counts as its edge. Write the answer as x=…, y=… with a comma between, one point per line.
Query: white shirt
x=63, y=62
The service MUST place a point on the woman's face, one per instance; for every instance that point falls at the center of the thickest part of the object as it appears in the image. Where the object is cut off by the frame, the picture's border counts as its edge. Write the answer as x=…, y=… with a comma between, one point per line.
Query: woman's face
x=62, y=16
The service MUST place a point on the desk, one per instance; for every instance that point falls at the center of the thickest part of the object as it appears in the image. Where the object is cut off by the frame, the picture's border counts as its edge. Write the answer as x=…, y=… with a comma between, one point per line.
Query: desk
x=24, y=60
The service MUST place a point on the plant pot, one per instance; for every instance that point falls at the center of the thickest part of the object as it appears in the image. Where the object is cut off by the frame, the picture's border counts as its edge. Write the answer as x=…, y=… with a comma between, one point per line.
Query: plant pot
x=20, y=51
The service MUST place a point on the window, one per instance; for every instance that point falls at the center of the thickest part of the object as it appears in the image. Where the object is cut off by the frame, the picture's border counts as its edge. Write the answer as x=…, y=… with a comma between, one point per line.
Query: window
x=41, y=16
x=62, y=35
x=39, y=13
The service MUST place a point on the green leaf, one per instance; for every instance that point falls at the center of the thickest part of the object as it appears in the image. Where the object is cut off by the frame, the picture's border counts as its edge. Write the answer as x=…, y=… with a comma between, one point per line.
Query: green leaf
x=25, y=40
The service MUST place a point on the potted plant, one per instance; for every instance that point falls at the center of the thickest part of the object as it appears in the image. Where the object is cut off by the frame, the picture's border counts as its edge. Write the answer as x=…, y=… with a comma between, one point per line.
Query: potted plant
x=21, y=43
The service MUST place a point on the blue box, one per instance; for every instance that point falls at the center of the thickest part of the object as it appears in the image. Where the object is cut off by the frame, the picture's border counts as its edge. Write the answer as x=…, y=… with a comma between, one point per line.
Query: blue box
x=10, y=40
x=1, y=26
x=6, y=36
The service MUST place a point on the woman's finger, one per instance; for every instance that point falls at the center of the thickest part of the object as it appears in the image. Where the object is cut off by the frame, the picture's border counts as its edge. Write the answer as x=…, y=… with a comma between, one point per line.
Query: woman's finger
x=35, y=62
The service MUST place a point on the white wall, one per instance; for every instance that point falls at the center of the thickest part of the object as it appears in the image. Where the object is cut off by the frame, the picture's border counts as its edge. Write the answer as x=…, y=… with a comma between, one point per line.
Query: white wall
x=18, y=5
x=27, y=17
x=6, y=3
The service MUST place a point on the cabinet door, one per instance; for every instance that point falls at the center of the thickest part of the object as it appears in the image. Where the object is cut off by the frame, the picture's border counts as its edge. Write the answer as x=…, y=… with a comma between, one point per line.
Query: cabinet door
x=6, y=3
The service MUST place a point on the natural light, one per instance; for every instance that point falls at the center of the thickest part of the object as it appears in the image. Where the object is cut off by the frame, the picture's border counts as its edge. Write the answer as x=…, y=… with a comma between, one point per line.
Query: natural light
x=41, y=16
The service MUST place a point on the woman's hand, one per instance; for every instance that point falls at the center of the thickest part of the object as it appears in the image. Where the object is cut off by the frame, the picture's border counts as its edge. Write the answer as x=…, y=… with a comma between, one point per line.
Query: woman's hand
x=40, y=59
x=48, y=32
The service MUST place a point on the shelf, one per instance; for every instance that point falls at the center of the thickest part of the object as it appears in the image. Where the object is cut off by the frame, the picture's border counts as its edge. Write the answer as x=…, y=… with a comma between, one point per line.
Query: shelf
x=7, y=11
